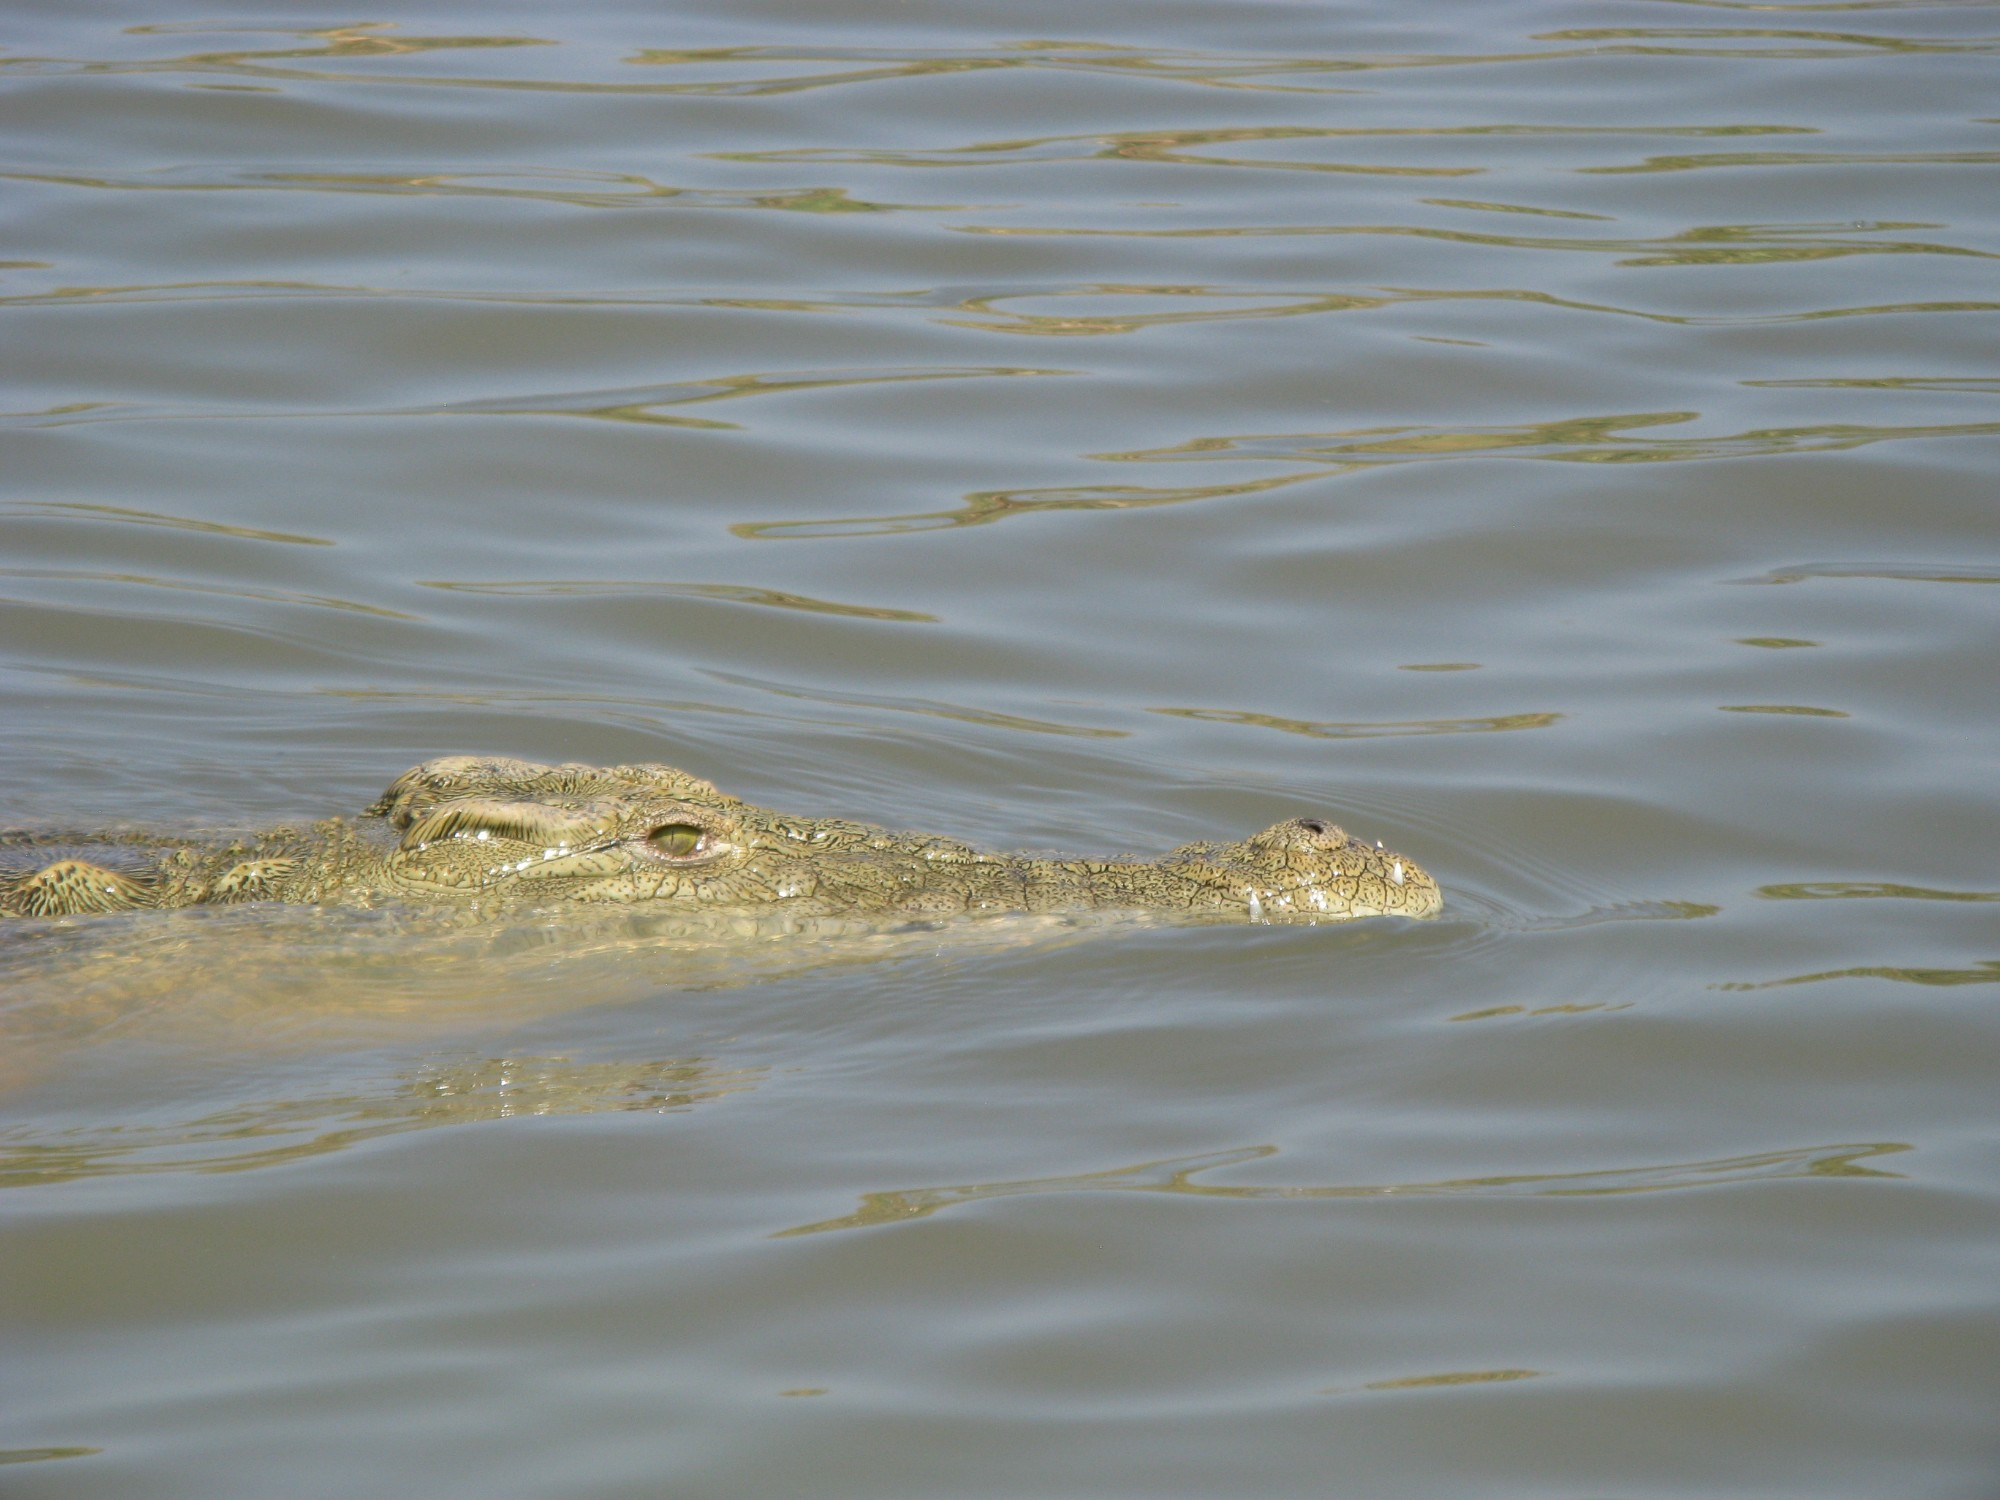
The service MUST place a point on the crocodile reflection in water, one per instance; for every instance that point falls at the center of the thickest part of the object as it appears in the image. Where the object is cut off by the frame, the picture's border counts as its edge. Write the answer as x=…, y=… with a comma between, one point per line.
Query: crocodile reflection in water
x=485, y=834
x=267, y=1131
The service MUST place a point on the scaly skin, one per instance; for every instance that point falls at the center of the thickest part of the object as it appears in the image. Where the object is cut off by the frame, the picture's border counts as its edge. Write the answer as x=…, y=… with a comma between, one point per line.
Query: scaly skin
x=498, y=835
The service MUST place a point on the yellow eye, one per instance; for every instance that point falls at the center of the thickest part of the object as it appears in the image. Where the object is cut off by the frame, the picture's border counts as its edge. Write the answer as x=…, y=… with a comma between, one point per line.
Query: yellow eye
x=675, y=840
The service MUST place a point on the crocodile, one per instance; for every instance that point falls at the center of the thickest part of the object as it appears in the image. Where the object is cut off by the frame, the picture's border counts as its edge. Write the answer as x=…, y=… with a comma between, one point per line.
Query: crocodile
x=488, y=834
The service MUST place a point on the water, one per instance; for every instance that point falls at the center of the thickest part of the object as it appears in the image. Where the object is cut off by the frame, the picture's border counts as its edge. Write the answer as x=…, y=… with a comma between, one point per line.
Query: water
x=1557, y=440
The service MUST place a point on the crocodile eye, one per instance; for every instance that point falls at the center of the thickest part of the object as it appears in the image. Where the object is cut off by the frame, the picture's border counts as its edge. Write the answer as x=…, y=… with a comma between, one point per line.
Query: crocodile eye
x=675, y=840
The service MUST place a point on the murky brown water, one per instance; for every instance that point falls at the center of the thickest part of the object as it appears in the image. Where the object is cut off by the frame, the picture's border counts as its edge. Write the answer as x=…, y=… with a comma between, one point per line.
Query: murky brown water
x=1558, y=440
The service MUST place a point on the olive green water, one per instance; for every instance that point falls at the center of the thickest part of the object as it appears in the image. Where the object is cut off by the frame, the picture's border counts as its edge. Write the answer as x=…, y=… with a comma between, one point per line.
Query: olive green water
x=1556, y=439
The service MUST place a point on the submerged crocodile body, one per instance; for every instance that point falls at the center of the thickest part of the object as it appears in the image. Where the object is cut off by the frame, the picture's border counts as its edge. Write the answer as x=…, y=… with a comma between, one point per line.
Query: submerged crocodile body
x=495, y=835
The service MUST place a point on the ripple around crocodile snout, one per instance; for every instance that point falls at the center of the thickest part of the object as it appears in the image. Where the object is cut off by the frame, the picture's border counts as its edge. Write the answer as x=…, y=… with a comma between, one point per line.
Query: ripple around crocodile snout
x=493, y=834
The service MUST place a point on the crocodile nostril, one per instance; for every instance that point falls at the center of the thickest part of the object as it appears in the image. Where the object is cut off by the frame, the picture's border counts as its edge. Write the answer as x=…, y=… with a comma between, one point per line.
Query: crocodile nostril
x=1312, y=825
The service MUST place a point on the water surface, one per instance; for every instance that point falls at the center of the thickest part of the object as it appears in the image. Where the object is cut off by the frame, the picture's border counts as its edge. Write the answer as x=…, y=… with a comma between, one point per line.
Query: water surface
x=1557, y=440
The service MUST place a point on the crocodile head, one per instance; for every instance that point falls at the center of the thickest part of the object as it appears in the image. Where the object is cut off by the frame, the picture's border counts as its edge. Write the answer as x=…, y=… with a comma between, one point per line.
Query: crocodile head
x=645, y=834
x=624, y=833
x=1303, y=870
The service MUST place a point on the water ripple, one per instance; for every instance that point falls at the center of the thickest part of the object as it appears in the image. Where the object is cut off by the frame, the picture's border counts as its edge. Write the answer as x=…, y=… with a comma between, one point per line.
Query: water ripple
x=983, y=307
x=1362, y=730
x=1176, y=1175
x=1796, y=710
x=1806, y=159
x=1849, y=890
x=77, y=510
x=634, y=403
x=1597, y=439
x=1703, y=245
x=726, y=593
x=926, y=707
x=984, y=507
x=573, y=187
x=1174, y=146
x=1899, y=572
x=369, y=52
x=1987, y=971
x=39, y=1455
x=270, y=1131
x=269, y=596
